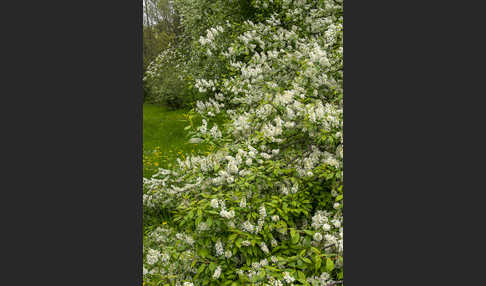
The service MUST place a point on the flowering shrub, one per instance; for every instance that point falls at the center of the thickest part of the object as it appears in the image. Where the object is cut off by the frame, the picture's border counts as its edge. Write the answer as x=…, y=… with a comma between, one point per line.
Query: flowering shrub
x=265, y=206
x=169, y=79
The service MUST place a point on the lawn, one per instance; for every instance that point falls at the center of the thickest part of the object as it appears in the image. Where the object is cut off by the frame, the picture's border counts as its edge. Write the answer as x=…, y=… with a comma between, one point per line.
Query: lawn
x=164, y=137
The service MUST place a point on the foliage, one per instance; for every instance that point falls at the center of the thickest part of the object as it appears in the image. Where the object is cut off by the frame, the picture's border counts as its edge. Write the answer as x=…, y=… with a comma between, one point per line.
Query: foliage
x=154, y=42
x=265, y=206
x=169, y=76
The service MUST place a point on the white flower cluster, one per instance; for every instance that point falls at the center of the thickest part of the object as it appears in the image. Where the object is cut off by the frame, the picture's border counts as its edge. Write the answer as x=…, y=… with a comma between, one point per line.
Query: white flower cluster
x=248, y=227
x=323, y=279
x=204, y=85
x=219, y=248
x=281, y=98
x=217, y=272
x=331, y=227
x=210, y=107
x=227, y=214
x=153, y=256
x=288, y=278
x=211, y=35
x=185, y=238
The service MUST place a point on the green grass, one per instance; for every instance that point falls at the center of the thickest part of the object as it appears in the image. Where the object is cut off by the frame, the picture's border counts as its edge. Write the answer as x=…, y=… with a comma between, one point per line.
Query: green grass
x=163, y=127
x=164, y=137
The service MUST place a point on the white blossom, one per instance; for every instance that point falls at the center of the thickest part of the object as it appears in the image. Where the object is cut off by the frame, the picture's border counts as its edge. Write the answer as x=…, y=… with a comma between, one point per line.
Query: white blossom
x=214, y=203
x=288, y=278
x=228, y=254
x=264, y=248
x=227, y=214
x=219, y=248
x=217, y=272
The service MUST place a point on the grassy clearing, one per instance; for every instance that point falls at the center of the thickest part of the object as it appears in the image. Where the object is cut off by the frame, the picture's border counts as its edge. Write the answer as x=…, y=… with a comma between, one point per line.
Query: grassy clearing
x=164, y=137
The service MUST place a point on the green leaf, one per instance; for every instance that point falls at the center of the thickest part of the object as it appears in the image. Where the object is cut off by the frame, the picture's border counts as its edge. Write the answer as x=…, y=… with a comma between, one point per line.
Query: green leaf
x=309, y=232
x=340, y=275
x=329, y=265
x=300, y=276
x=318, y=262
x=212, y=266
x=201, y=269
x=315, y=250
x=306, y=260
x=203, y=252
x=294, y=236
x=198, y=220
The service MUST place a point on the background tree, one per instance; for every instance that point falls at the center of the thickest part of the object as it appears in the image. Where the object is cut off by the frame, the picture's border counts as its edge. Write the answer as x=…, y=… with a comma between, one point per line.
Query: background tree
x=160, y=24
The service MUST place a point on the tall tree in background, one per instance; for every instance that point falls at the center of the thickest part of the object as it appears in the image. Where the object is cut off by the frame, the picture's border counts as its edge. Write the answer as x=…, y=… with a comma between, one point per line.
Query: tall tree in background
x=160, y=24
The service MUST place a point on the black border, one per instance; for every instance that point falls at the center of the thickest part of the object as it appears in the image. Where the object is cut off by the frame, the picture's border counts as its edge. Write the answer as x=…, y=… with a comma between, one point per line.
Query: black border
x=73, y=143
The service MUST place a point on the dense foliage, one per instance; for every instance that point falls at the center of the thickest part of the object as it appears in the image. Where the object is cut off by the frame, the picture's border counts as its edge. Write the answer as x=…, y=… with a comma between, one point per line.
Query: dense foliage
x=170, y=77
x=265, y=206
